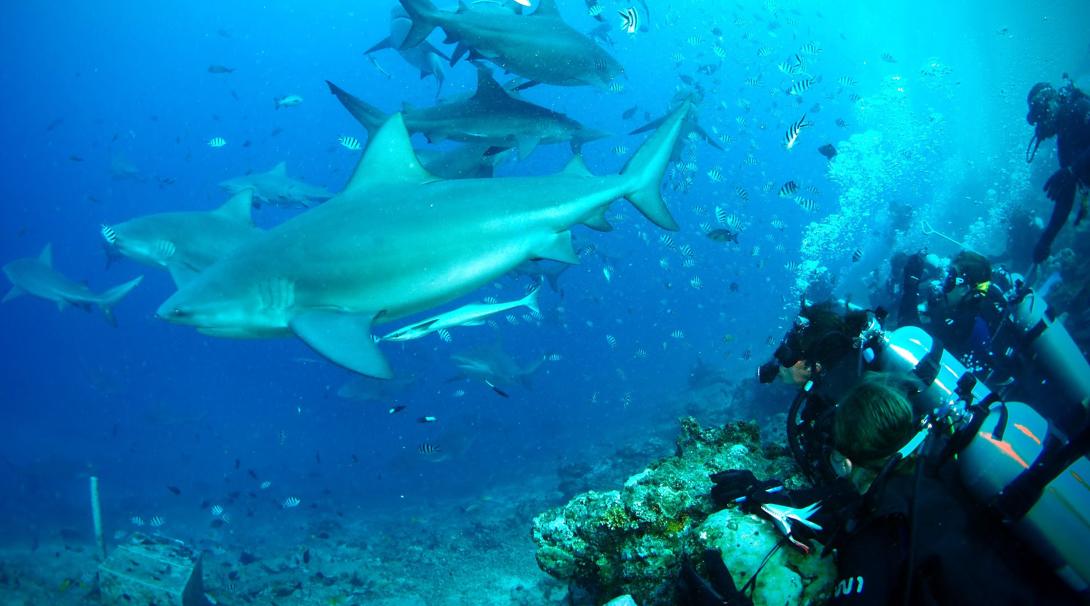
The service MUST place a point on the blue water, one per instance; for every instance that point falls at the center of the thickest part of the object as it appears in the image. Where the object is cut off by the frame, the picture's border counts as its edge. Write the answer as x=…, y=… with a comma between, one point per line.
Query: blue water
x=148, y=405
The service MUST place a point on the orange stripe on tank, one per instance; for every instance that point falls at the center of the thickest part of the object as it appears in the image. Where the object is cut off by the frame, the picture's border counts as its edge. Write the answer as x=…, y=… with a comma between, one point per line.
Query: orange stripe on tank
x=1028, y=432
x=1079, y=479
x=1005, y=448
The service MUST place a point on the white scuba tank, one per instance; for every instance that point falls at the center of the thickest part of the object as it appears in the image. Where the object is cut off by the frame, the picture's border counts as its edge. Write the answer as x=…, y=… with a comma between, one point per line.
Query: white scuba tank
x=1051, y=348
x=1058, y=525
x=911, y=350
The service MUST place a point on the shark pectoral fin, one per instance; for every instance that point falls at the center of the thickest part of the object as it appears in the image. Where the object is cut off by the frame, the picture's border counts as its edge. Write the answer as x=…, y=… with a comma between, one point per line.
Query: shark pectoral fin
x=181, y=274
x=526, y=145
x=14, y=293
x=62, y=304
x=559, y=248
x=345, y=339
x=459, y=51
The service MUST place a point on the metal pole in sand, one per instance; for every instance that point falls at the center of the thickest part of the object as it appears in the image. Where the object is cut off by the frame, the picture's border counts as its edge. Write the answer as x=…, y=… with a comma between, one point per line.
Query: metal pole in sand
x=96, y=515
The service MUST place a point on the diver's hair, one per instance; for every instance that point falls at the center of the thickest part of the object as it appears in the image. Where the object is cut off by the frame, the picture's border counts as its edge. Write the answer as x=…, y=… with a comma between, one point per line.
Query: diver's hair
x=875, y=418
x=829, y=332
x=974, y=267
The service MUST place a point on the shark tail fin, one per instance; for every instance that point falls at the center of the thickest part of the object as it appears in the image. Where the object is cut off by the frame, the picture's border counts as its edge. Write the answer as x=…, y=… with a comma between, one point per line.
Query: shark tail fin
x=648, y=165
x=530, y=300
x=422, y=13
x=366, y=114
x=113, y=296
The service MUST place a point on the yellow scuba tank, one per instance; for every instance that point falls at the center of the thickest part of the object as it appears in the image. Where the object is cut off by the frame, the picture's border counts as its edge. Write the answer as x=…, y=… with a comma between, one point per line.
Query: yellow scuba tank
x=1051, y=347
x=1058, y=524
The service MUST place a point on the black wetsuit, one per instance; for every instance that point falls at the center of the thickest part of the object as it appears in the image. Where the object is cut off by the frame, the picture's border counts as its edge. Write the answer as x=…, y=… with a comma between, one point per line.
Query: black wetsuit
x=1073, y=150
x=966, y=329
x=962, y=555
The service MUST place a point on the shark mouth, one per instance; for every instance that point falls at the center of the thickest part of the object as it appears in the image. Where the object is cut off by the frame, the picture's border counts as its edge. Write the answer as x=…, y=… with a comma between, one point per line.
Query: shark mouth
x=109, y=234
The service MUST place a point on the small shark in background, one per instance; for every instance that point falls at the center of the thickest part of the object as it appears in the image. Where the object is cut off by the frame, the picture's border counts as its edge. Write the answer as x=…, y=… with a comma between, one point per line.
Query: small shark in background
x=467, y=161
x=491, y=116
x=36, y=276
x=184, y=243
x=540, y=47
x=495, y=367
x=399, y=241
x=277, y=188
x=424, y=57
x=472, y=314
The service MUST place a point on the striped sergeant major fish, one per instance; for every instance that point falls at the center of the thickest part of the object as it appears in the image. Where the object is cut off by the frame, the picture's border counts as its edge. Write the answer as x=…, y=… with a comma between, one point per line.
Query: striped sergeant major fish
x=801, y=86
x=792, y=135
x=630, y=20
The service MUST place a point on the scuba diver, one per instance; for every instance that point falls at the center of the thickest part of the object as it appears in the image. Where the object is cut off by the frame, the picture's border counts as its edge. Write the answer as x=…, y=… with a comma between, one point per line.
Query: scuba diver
x=1001, y=329
x=903, y=528
x=965, y=307
x=1065, y=114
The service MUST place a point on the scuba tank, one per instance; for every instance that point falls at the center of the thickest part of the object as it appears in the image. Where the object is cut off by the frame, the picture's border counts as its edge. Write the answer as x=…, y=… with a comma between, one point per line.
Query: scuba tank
x=1008, y=442
x=1051, y=347
x=996, y=444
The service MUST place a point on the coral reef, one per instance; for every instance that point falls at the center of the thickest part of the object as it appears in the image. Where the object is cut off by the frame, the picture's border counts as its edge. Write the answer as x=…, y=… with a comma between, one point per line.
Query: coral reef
x=633, y=540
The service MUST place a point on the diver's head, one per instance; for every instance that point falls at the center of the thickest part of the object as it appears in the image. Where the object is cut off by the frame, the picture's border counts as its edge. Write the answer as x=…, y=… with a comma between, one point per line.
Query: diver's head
x=1044, y=102
x=968, y=275
x=819, y=339
x=874, y=420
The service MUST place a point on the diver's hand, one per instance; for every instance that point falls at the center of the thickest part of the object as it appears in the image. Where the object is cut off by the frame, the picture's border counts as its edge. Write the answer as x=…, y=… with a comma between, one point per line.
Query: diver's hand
x=717, y=590
x=1060, y=187
x=733, y=484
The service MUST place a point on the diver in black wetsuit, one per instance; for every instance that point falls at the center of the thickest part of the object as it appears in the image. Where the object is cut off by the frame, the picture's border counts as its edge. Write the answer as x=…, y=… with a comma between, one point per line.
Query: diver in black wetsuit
x=964, y=308
x=1065, y=114
x=903, y=528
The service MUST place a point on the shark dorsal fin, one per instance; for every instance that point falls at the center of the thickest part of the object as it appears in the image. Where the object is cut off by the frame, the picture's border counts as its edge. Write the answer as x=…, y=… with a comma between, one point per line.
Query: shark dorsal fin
x=389, y=157
x=47, y=255
x=238, y=207
x=547, y=8
x=576, y=167
x=462, y=7
x=280, y=169
x=488, y=90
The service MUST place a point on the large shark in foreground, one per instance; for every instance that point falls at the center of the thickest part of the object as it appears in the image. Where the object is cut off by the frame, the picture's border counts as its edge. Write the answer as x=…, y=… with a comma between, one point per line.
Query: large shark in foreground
x=36, y=276
x=184, y=243
x=399, y=241
x=539, y=47
x=490, y=116
x=277, y=188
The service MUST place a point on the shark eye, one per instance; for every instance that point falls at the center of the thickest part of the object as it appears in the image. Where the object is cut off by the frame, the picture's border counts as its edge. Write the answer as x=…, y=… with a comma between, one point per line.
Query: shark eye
x=178, y=312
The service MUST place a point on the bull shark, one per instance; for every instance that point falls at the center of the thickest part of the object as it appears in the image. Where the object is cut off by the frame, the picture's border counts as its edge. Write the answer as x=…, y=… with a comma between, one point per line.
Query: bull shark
x=277, y=188
x=497, y=369
x=463, y=162
x=424, y=57
x=184, y=243
x=398, y=241
x=540, y=47
x=36, y=276
x=490, y=116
